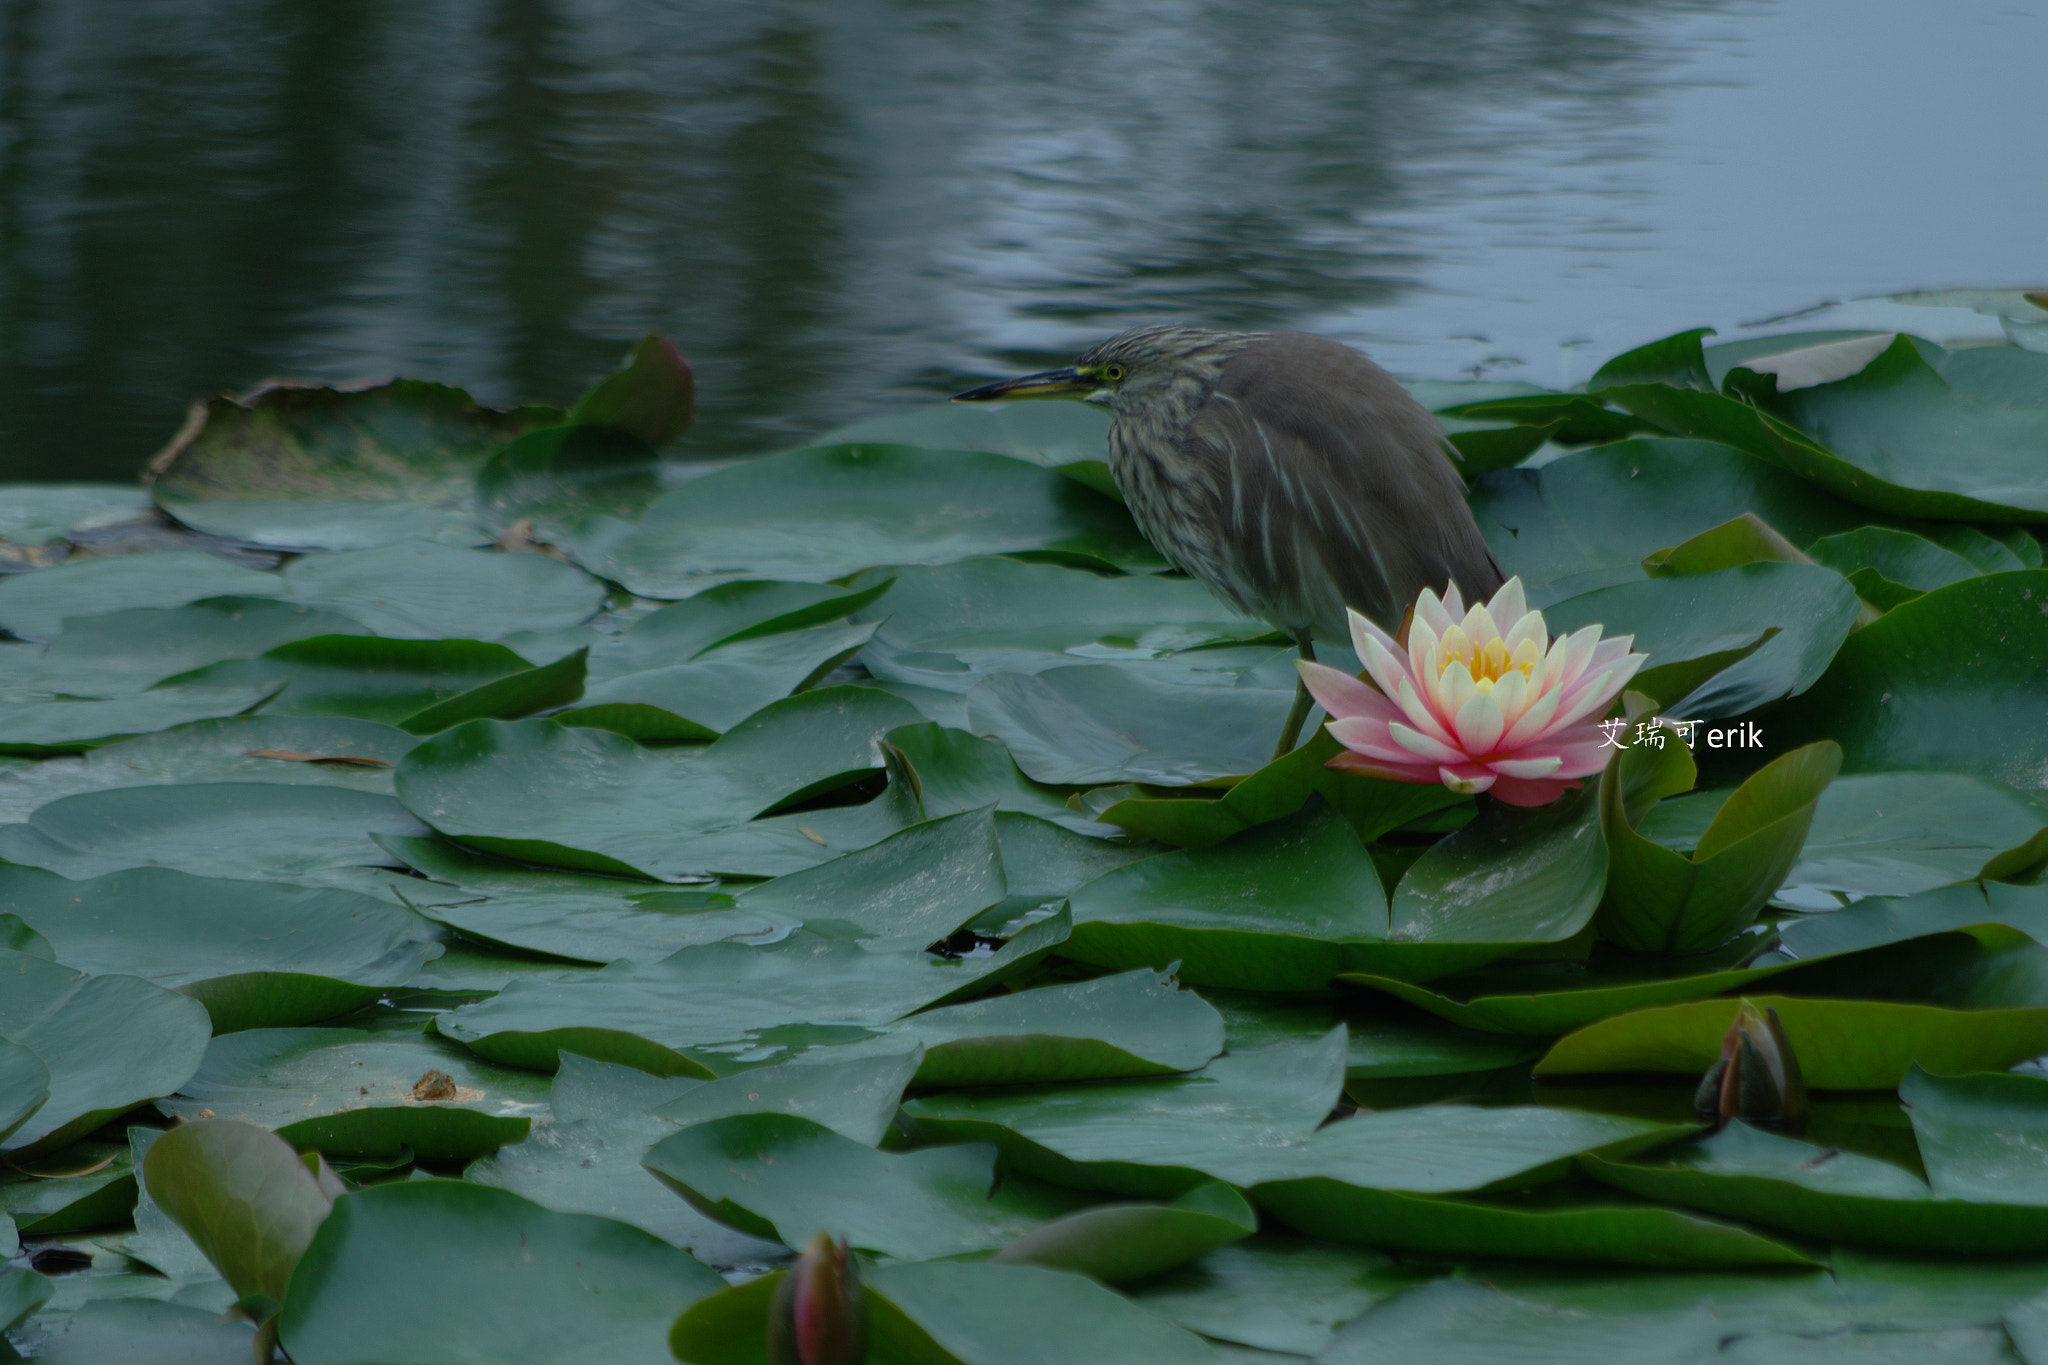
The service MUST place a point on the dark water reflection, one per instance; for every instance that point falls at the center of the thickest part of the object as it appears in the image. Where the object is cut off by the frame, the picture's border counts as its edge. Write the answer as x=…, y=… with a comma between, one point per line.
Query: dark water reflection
x=839, y=206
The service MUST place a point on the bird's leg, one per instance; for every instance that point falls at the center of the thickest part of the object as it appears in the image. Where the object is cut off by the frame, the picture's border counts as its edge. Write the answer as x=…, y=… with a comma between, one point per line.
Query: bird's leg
x=1302, y=701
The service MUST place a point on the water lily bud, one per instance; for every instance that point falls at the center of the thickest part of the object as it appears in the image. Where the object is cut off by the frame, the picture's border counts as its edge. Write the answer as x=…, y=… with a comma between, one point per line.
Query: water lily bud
x=1757, y=1077
x=819, y=1316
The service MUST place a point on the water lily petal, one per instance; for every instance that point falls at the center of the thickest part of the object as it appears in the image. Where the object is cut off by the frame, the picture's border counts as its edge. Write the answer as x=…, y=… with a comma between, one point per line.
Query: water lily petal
x=1510, y=604
x=1534, y=721
x=1363, y=630
x=1527, y=767
x=1467, y=779
x=1370, y=738
x=1419, y=774
x=1454, y=687
x=1511, y=695
x=1480, y=724
x=1519, y=791
x=1419, y=713
x=1341, y=694
x=1422, y=746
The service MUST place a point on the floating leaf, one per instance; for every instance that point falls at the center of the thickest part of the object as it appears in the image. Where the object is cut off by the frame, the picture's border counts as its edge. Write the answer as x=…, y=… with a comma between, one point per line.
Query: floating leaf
x=1117, y=1243
x=421, y=591
x=334, y=469
x=256, y=954
x=352, y=1093
x=535, y=1287
x=652, y=395
x=110, y=1043
x=244, y=1196
x=817, y=515
x=708, y=696
x=1953, y=681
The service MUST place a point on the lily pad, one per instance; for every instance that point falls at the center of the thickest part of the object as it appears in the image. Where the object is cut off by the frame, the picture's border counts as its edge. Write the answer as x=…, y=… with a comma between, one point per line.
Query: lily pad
x=422, y=591
x=256, y=954
x=34, y=605
x=915, y=887
x=1778, y=1181
x=1841, y=1044
x=653, y=1015
x=1104, y=723
x=1118, y=1243
x=348, y=1092
x=1952, y=681
x=537, y=1287
x=1154, y=1138
x=1979, y=1135
x=708, y=696
x=816, y=515
x=1275, y=1292
x=110, y=1043
x=855, y=1097
x=244, y=1196
x=127, y=651
x=62, y=726
x=958, y=1313
x=244, y=829
x=24, y=1085
x=542, y=792
x=780, y=1176
x=334, y=469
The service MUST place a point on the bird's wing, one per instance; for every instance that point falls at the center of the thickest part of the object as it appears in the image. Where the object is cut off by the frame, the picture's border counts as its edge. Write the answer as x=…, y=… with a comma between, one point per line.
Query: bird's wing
x=1332, y=486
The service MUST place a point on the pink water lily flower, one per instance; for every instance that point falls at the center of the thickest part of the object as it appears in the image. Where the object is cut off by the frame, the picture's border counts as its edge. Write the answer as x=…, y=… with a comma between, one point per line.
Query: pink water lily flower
x=1481, y=700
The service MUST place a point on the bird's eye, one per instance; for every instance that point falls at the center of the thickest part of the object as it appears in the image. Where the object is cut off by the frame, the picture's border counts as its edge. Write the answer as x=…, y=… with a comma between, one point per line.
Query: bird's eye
x=1113, y=373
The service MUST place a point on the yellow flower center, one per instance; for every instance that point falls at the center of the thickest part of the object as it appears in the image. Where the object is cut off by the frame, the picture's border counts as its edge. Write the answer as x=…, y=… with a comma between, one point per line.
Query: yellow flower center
x=1487, y=663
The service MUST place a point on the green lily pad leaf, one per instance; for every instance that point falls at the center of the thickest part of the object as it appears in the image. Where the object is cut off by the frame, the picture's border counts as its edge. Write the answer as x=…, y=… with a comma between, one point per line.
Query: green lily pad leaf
x=1456, y=1320
x=240, y=829
x=1895, y=436
x=110, y=1043
x=1841, y=1044
x=86, y=1185
x=1508, y=880
x=332, y=469
x=354, y=754
x=977, y=1313
x=592, y=1165
x=915, y=887
x=417, y=685
x=1070, y=437
x=1955, y=681
x=1578, y=419
x=718, y=994
x=536, y=1287
x=1278, y=908
x=423, y=591
x=653, y=395
x=1658, y=901
x=1131, y=1024
x=145, y=1329
x=243, y=1195
x=1280, y=788
x=65, y=727
x=352, y=1093
x=1044, y=864
x=1587, y=520
x=1979, y=1135
x=1904, y=565
x=612, y=806
x=1675, y=360
x=1781, y=1182
x=1593, y=1231
x=1478, y=448
x=560, y=482
x=127, y=651
x=948, y=626
x=1117, y=1243
x=41, y=513
x=34, y=605
x=855, y=1097
x=1105, y=723
x=1747, y=539
x=1154, y=1138
x=818, y=515
x=956, y=772
x=785, y=1177
x=1800, y=612
x=256, y=954
x=586, y=1089
x=705, y=698
x=570, y=915
x=1898, y=834
x=24, y=1085
x=751, y=609
x=22, y=1292
x=1275, y=1292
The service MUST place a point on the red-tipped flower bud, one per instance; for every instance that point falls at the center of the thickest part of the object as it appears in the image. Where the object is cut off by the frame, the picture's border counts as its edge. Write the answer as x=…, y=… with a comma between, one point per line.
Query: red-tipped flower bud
x=819, y=1316
x=1757, y=1077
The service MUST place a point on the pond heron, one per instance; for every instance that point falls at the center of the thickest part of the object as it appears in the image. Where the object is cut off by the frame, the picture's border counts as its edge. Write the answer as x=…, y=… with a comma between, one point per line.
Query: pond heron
x=1287, y=472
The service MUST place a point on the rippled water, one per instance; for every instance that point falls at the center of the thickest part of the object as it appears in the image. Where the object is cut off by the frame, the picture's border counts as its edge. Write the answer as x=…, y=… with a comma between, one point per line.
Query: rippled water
x=838, y=207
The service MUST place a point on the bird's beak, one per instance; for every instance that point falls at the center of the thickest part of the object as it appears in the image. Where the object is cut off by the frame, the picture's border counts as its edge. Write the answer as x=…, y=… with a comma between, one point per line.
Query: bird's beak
x=1067, y=383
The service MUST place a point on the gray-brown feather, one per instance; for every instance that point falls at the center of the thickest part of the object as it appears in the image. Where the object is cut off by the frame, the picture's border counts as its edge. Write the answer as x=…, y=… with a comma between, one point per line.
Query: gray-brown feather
x=1293, y=476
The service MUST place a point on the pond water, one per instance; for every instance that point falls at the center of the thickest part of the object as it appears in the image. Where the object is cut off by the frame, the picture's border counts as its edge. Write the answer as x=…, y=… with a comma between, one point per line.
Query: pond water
x=836, y=208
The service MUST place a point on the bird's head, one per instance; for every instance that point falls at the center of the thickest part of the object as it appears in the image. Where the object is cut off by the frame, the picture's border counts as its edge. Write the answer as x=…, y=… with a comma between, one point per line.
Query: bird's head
x=1146, y=368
